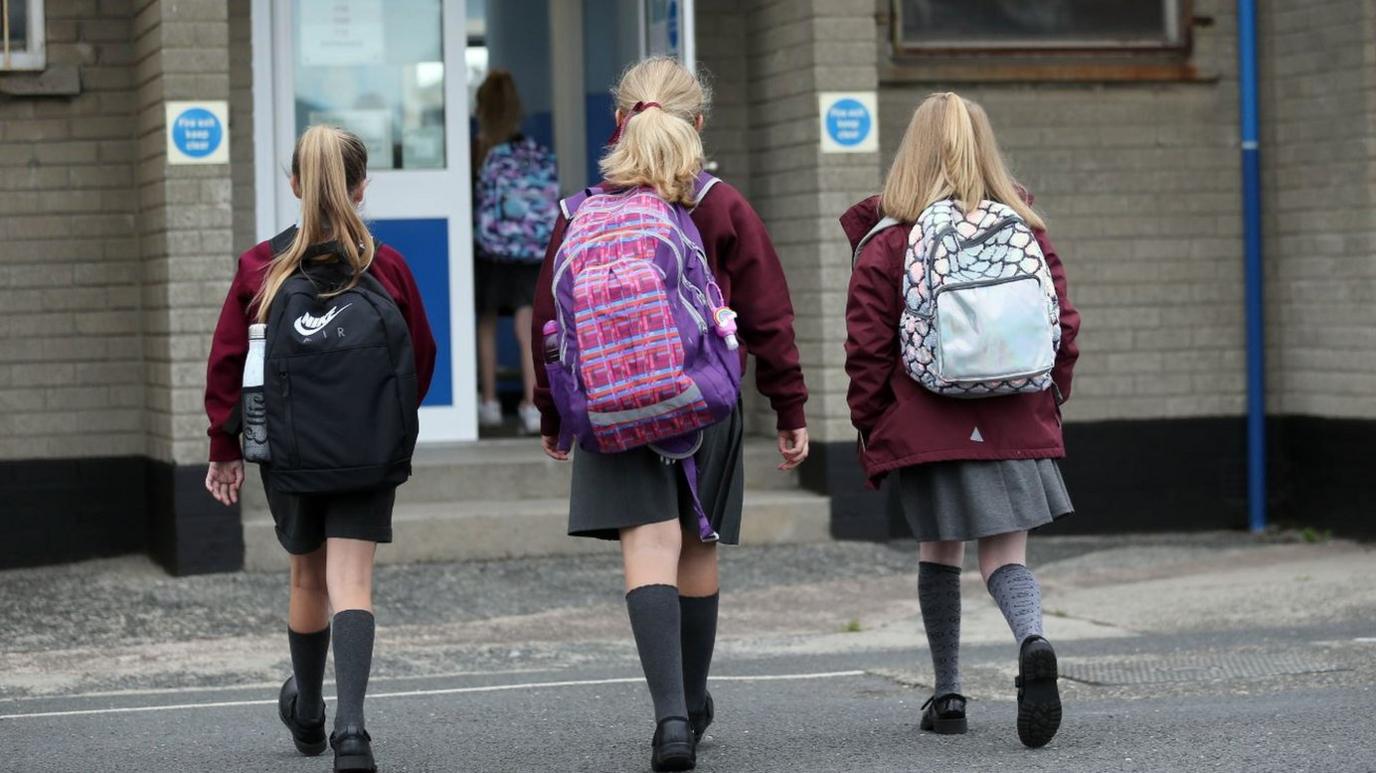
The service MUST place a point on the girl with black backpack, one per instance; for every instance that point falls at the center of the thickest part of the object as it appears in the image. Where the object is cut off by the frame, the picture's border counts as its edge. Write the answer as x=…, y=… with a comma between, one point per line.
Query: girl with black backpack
x=653, y=174
x=347, y=342
x=958, y=369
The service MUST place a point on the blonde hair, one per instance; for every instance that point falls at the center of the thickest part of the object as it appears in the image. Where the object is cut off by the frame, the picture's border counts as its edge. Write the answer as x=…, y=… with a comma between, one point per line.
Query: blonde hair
x=949, y=151
x=328, y=164
x=659, y=147
x=498, y=111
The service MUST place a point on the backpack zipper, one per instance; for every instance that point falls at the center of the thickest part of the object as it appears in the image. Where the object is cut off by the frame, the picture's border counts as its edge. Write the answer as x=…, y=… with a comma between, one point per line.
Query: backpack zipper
x=284, y=377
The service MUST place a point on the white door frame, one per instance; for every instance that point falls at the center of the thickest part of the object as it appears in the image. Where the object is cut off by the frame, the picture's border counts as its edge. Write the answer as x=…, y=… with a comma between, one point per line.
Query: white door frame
x=438, y=193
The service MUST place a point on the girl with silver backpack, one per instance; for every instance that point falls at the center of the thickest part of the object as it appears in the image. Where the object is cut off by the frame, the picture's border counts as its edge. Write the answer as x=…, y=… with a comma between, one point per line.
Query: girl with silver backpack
x=960, y=347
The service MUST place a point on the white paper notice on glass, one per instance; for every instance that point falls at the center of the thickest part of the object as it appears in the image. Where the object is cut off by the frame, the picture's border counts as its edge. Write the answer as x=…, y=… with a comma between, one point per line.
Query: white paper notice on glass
x=335, y=33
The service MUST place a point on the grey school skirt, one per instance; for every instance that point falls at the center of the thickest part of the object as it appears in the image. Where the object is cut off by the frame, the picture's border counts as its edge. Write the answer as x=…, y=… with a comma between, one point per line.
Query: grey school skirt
x=617, y=491
x=967, y=500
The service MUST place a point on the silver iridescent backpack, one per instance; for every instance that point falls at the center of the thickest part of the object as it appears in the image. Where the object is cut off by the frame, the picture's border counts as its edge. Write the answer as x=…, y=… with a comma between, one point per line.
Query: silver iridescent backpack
x=980, y=316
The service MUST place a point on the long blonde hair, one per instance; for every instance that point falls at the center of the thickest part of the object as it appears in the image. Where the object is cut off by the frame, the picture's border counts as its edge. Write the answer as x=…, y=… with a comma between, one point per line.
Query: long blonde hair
x=659, y=146
x=949, y=151
x=498, y=111
x=328, y=164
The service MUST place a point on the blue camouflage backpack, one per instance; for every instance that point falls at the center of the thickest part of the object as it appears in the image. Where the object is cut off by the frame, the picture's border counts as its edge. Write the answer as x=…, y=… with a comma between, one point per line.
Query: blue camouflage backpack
x=517, y=201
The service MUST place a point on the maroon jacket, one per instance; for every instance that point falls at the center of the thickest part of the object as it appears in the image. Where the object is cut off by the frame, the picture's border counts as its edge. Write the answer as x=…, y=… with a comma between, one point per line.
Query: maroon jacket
x=900, y=422
x=225, y=372
x=747, y=268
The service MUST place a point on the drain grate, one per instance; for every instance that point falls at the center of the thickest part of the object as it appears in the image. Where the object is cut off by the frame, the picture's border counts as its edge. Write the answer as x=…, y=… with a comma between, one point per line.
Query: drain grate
x=1120, y=671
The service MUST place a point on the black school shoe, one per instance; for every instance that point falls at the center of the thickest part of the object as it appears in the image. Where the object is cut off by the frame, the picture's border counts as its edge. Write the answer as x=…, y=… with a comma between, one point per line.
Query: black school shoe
x=353, y=750
x=1039, y=701
x=701, y=720
x=674, y=747
x=309, y=739
x=944, y=714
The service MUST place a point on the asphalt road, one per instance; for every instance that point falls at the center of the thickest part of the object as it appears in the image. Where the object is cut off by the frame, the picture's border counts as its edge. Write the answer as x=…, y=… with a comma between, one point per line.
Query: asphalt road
x=795, y=691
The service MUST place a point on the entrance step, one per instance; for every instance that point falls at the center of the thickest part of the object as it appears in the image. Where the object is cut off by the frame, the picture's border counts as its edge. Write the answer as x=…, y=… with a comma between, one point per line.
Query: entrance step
x=518, y=469
x=468, y=530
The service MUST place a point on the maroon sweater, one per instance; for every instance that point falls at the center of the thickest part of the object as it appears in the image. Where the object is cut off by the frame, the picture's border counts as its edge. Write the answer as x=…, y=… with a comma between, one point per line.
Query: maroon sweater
x=225, y=372
x=900, y=422
x=752, y=282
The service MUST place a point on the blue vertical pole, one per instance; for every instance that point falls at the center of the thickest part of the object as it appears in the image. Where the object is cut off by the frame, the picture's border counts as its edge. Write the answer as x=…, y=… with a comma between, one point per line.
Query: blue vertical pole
x=1251, y=236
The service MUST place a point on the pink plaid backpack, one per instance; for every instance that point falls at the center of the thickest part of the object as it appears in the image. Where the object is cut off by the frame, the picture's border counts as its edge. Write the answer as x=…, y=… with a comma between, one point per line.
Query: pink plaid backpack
x=641, y=350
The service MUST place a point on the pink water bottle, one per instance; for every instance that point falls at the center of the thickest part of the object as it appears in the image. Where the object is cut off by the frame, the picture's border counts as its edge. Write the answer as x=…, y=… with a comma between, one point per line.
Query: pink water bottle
x=724, y=320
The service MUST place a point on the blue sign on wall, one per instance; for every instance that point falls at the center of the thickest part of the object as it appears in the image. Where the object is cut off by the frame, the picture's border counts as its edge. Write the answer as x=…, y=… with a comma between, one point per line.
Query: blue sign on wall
x=848, y=122
x=197, y=132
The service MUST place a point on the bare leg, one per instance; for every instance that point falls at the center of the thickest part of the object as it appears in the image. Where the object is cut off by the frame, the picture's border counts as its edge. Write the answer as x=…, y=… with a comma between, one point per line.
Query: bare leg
x=650, y=554
x=1001, y=550
x=523, y=322
x=349, y=573
x=487, y=356
x=309, y=608
x=950, y=553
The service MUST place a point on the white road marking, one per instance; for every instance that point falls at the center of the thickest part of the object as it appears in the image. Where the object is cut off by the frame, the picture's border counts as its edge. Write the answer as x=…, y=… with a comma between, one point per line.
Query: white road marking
x=417, y=693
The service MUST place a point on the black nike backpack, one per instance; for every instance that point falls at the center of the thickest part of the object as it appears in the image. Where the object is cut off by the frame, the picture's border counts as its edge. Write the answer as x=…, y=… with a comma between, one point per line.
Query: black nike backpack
x=339, y=384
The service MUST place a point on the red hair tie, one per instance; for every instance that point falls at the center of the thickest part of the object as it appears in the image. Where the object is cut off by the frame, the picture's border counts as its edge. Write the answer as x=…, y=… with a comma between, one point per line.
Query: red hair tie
x=639, y=108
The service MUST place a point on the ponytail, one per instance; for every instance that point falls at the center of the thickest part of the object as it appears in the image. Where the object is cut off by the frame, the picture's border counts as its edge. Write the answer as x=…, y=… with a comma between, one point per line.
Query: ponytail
x=657, y=144
x=328, y=164
x=949, y=152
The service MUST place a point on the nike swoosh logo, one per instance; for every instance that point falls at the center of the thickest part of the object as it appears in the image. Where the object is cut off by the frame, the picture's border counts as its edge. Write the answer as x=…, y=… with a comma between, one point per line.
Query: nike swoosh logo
x=307, y=325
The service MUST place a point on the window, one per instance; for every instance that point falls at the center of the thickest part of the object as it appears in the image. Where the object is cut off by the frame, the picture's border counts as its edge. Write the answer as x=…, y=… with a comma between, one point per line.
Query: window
x=21, y=35
x=1044, y=26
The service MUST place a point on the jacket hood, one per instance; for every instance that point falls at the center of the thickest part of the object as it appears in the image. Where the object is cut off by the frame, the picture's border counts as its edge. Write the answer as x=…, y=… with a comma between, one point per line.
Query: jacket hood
x=859, y=219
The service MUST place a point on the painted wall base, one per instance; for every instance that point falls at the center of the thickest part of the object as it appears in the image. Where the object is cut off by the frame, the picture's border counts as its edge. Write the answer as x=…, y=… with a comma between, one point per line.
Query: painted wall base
x=60, y=510
x=1161, y=475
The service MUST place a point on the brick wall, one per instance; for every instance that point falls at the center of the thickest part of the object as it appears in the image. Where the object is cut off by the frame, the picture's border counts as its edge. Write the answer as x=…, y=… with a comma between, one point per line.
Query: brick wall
x=795, y=50
x=1140, y=186
x=184, y=220
x=721, y=45
x=241, y=123
x=1319, y=170
x=71, y=382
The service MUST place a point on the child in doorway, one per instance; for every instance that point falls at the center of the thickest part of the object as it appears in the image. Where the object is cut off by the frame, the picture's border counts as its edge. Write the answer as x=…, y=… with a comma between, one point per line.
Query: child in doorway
x=671, y=576
x=331, y=536
x=968, y=469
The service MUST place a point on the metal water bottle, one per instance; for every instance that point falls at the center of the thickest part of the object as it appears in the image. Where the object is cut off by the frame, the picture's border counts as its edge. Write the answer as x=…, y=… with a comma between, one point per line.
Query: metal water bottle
x=255, y=416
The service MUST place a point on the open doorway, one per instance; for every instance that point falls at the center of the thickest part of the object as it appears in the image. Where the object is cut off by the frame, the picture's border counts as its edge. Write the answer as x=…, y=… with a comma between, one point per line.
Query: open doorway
x=558, y=60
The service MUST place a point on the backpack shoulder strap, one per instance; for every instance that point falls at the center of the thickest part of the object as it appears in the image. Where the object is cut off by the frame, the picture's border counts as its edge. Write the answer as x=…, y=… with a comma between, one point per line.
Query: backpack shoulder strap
x=568, y=206
x=702, y=186
x=884, y=224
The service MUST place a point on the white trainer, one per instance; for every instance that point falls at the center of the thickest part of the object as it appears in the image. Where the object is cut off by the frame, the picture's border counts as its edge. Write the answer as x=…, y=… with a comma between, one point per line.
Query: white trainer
x=490, y=414
x=530, y=418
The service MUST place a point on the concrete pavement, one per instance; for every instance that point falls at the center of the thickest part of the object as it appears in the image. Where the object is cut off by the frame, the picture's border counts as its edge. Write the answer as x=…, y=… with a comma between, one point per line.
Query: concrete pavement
x=1179, y=652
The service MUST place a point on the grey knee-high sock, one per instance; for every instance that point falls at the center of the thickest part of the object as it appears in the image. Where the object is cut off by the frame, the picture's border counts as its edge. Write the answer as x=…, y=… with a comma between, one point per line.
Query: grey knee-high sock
x=698, y=615
x=938, y=593
x=308, y=653
x=1020, y=598
x=656, y=623
x=353, y=660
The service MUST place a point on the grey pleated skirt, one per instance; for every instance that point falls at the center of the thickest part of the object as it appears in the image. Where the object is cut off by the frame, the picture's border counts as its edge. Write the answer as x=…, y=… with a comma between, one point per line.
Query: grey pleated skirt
x=617, y=491
x=966, y=500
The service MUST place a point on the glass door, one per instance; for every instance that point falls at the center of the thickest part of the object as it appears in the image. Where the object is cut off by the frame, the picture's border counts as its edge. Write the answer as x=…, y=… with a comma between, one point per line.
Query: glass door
x=393, y=72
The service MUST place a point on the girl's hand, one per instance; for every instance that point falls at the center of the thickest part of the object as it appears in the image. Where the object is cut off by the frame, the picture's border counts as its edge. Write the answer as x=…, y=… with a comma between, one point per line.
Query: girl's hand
x=223, y=481
x=551, y=445
x=792, y=447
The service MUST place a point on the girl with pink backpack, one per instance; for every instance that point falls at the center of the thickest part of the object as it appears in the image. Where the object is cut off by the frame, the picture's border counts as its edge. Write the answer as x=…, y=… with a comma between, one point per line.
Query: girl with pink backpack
x=655, y=284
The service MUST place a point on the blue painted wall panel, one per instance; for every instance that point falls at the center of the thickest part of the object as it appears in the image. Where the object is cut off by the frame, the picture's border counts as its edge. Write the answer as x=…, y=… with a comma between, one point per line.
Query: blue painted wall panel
x=425, y=244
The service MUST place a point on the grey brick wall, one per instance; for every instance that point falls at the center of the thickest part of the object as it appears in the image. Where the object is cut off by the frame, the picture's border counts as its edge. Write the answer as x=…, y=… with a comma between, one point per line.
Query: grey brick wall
x=721, y=41
x=241, y=123
x=71, y=382
x=184, y=220
x=1140, y=185
x=794, y=50
x=1319, y=170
